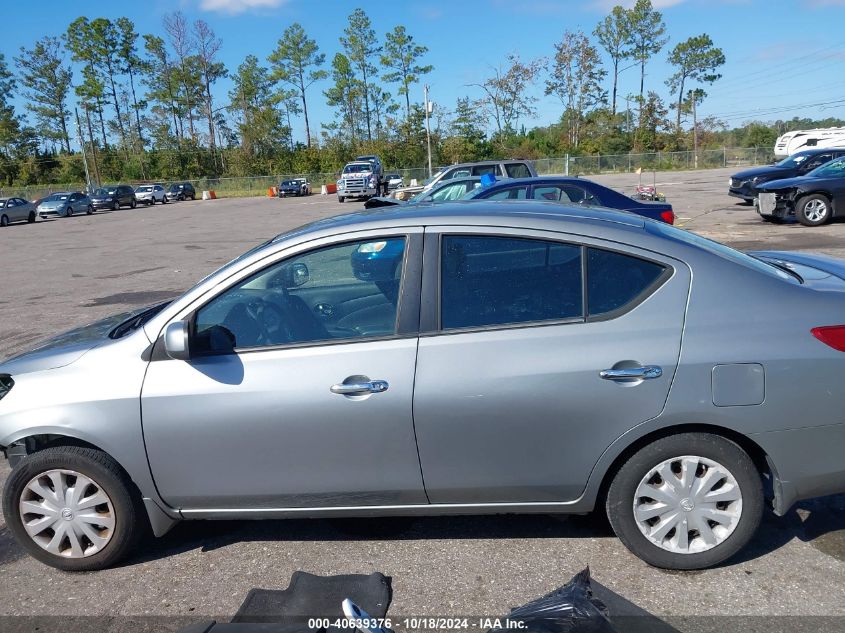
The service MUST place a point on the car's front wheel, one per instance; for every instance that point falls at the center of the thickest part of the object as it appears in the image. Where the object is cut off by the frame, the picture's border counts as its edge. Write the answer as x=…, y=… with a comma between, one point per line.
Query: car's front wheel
x=133, y=203
x=115, y=205
x=813, y=210
x=686, y=501
x=72, y=508
x=4, y=220
x=90, y=209
x=31, y=217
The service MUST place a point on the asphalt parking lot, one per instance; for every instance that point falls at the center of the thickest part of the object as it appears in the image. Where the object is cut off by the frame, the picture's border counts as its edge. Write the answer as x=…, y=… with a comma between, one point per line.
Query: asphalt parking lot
x=62, y=273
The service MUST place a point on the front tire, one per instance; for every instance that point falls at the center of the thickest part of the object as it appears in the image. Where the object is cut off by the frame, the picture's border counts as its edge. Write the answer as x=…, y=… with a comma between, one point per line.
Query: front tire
x=813, y=210
x=72, y=508
x=133, y=203
x=31, y=218
x=341, y=199
x=115, y=206
x=89, y=210
x=69, y=211
x=687, y=501
x=4, y=220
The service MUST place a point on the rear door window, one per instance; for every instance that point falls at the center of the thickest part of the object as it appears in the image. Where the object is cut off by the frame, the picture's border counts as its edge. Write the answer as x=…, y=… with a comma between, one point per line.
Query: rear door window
x=517, y=170
x=488, y=281
x=511, y=193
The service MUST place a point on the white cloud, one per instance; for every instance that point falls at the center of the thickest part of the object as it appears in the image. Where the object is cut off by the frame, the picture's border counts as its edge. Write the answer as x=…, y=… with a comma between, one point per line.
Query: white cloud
x=233, y=7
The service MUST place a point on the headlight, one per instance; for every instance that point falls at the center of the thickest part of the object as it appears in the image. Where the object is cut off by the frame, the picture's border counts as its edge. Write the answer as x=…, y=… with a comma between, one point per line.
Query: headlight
x=372, y=182
x=6, y=384
x=372, y=247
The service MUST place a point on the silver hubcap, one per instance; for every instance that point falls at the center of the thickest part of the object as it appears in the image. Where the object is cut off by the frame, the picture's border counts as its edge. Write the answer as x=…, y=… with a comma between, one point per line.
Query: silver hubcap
x=688, y=504
x=815, y=210
x=67, y=513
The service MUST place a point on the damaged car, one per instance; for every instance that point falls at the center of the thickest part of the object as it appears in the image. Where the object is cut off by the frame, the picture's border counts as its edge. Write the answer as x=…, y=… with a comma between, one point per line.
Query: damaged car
x=813, y=199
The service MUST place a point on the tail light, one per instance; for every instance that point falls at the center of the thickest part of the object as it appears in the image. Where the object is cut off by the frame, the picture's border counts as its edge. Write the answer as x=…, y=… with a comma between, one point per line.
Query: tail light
x=668, y=216
x=831, y=335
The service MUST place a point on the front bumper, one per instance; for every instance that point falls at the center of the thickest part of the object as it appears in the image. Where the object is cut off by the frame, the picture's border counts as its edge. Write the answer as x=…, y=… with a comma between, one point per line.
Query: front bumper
x=773, y=205
x=102, y=204
x=357, y=193
x=289, y=192
x=48, y=213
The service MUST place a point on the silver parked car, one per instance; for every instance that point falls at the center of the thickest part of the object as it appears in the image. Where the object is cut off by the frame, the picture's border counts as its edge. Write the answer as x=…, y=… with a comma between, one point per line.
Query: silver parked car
x=501, y=357
x=16, y=210
x=65, y=204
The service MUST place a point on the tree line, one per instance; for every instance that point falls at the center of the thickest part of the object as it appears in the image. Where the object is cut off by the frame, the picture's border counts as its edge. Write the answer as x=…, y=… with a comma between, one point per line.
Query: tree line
x=144, y=106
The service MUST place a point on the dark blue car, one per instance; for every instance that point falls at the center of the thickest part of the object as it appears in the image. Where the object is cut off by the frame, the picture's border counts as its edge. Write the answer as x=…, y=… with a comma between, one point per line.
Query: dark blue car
x=572, y=191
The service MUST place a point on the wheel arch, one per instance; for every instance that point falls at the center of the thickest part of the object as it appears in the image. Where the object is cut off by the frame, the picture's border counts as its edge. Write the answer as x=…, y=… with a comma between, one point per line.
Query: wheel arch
x=761, y=460
x=160, y=519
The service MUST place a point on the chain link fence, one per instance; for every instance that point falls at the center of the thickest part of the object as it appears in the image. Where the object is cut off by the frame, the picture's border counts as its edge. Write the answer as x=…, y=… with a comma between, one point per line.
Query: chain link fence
x=567, y=165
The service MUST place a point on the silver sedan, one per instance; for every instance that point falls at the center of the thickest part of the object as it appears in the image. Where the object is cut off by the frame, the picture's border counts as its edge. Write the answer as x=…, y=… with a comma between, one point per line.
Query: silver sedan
x=16, y=210
x=65, y=204
x=443, y=359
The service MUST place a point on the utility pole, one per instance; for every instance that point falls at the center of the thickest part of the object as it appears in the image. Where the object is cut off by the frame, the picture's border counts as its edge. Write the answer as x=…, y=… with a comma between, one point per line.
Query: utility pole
x=428, y=109
x=694, y=131
x=93, y=148
x=88, y=187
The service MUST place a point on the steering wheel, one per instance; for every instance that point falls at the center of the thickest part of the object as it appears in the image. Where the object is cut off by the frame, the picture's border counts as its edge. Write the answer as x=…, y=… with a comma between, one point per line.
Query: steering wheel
x=270, y=320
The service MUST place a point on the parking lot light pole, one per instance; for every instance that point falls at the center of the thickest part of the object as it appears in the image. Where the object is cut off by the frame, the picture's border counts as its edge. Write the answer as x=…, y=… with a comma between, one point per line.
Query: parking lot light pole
x=427, y=127
x=88, y=186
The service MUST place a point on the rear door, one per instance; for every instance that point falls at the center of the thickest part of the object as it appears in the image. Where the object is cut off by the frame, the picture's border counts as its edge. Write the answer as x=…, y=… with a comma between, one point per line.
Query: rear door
x=509, y=403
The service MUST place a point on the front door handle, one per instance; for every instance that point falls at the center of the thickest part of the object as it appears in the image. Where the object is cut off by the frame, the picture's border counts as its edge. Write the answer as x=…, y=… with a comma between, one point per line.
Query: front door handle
x=360, y=388
x=647, y=372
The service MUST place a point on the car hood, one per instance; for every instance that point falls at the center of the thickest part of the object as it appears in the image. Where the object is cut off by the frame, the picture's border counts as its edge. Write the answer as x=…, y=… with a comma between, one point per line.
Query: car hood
x=53, y=204
x=67, y=347
x=768, y=170
x=785, y=183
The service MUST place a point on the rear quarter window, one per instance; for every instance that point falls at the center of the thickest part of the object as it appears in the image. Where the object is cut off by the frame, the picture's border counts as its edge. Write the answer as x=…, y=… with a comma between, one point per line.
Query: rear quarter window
x=517, y=170
x=615, y=281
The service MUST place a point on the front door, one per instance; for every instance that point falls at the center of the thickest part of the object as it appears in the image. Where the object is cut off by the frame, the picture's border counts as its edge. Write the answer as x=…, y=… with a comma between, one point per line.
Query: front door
x=511, y=403
x=299, y=390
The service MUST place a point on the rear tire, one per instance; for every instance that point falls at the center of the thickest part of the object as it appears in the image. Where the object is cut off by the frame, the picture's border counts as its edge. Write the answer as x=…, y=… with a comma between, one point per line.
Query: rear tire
x=106, y=480
x=714, y=530
x=813, y=210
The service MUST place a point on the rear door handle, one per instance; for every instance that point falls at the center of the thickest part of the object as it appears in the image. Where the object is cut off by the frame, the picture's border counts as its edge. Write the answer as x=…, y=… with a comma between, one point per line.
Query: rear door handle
x=647, y=372
x=360, y=388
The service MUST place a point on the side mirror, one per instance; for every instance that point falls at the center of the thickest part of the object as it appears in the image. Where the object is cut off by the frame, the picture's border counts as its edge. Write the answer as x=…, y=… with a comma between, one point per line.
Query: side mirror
x=176, y=341
x=296, y=275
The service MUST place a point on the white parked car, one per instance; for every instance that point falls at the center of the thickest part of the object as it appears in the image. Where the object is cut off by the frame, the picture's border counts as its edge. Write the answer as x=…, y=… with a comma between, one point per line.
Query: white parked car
x=394, y=181
x=150, y=194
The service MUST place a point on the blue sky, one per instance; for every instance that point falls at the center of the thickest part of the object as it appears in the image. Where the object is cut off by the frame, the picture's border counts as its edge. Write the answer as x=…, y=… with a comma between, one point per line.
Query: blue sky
x=781, y=54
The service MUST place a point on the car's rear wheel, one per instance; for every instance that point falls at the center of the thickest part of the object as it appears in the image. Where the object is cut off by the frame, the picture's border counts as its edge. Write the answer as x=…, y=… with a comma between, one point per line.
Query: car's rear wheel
x=813, y=210
x=4, y=220
x=686, y=501
x=72, y=508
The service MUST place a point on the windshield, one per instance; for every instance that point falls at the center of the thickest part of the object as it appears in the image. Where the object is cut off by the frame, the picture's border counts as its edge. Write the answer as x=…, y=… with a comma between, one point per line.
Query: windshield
x=794, y=160
x=144, y=188
x=56, y=197
x=289, y=183
x=104, y=192
x=356, y=169
x=833, y=169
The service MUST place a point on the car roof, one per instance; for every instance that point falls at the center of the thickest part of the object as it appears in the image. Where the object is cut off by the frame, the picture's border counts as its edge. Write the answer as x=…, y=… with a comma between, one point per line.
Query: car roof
x=818, y=150
x=538, y=180
x=529, y=214
x=494, y=161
